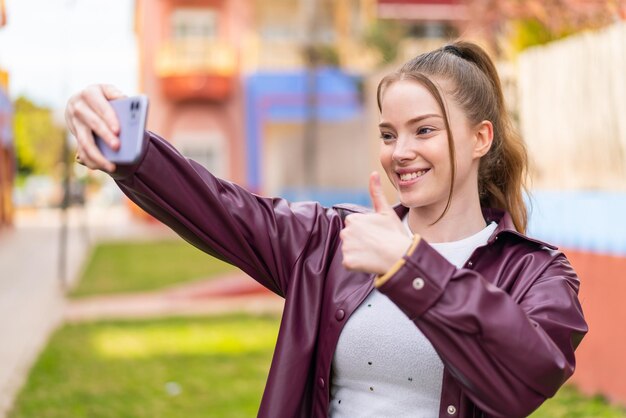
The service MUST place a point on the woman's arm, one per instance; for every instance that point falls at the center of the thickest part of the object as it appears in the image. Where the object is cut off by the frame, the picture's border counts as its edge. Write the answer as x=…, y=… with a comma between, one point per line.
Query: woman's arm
x=262, y=236
x=509, y=352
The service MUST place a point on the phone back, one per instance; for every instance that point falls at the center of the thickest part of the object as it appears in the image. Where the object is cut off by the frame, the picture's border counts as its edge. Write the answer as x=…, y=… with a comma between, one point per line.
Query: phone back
x=132, y=115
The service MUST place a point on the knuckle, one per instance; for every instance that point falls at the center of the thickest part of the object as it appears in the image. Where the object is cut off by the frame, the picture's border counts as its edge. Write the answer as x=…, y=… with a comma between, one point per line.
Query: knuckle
x=90, y=91
x=109, y=88
x=72, y=109
x=87, y=154
x=100, y=126
x=346, y=263
x=70, y=103
x=83, y=95
x=78, y=108
x=91, y=152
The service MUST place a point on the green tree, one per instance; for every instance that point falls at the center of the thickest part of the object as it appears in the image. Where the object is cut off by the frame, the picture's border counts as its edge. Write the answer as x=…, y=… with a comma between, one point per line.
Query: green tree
x=385, y=36
x=510, y=26
x=38, y=140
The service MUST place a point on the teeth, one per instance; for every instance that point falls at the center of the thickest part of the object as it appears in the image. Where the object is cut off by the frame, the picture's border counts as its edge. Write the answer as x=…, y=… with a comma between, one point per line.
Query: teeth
x=411, y=176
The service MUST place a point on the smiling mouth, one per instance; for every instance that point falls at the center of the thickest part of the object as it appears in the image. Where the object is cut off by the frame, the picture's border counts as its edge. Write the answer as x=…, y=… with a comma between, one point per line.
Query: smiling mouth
x=412, y=175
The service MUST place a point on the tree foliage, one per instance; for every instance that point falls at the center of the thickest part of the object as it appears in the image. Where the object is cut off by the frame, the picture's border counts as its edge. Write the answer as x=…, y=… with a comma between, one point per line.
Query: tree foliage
x=518, y=24
x=385, y=36
x=38, y=140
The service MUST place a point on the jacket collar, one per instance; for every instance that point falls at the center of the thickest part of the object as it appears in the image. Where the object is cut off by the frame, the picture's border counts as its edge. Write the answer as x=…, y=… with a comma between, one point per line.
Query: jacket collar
x=499, y=216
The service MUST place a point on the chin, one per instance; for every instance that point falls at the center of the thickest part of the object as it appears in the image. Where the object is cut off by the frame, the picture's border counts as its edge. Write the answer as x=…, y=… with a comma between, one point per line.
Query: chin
x=410, y=200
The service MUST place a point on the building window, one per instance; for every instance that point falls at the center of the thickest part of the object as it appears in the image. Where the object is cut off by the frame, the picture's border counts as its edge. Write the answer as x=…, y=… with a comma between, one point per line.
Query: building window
x=206, y=148
x=431, y=30
x=278, y=20
x=194, y=23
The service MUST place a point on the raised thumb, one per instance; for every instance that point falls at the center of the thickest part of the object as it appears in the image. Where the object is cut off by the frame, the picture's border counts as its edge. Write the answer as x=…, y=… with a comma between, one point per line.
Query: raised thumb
x=376, y=193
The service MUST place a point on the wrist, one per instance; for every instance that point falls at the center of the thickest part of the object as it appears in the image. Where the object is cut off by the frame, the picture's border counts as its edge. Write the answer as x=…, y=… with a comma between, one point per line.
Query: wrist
x=381, y=279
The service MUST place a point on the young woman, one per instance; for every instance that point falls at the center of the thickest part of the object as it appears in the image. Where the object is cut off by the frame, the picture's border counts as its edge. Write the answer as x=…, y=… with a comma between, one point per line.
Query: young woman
x=439, y=306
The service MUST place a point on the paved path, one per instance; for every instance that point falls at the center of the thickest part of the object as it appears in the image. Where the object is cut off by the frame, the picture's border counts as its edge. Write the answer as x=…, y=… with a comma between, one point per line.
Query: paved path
x=31, y=295
x=31, y=298
x=232, y=292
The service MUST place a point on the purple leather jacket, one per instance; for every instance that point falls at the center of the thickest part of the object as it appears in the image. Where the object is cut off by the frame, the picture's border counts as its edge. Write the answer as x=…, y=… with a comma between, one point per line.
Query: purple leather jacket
x=505, y=325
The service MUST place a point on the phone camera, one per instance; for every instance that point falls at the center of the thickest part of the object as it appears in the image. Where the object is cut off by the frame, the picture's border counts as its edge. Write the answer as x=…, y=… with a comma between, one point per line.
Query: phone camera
x=134, y=107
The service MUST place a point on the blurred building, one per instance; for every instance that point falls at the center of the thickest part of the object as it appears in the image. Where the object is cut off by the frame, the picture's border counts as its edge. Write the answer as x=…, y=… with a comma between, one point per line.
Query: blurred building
x=230, y=85
x=7, y=156
x=427, y=18
x=426, y=24
x=189, y=68
x=304, y=114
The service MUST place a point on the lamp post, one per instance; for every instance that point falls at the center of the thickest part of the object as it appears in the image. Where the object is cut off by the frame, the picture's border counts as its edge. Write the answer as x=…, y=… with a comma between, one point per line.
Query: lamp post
x=311, y=126
x=65, y=201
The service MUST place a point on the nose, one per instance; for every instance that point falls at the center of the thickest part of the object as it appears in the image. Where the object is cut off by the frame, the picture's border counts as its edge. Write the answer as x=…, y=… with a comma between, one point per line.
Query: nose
x=404, y=150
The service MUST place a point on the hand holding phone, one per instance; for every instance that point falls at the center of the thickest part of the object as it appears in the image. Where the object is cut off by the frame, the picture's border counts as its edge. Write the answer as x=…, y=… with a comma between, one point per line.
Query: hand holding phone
x=132, y=114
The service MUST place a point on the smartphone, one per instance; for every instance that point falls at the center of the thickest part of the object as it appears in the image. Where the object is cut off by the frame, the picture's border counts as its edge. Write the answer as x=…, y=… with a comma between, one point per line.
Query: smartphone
x=132, y=113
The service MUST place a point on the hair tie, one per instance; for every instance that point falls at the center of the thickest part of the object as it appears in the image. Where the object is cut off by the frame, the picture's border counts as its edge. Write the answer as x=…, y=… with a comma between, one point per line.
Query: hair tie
x=453, y=50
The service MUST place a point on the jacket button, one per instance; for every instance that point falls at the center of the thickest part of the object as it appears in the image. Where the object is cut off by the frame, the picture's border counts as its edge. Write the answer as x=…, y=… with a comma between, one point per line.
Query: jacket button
x=418, y=283
x=451, y=410
x=321, y=383
x=340, y=314
x=471, y=263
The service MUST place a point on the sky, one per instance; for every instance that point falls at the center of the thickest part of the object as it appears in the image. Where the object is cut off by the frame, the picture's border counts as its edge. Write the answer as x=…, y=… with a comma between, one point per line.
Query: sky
x=54, y=48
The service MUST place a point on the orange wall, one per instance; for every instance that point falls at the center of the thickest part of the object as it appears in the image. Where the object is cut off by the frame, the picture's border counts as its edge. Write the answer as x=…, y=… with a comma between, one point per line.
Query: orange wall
x=6, y=186
x=601, y=357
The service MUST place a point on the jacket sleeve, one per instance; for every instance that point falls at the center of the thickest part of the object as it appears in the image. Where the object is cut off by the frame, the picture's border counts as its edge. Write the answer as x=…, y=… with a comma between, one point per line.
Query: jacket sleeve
x=262, y=236
x=509, y=354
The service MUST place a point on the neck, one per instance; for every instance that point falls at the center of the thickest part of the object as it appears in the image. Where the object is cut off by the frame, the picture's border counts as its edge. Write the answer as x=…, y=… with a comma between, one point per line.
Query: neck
x=463, y=219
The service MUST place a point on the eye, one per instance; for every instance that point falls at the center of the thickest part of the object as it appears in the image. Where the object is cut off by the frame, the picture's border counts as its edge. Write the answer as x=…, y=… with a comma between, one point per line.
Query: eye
x=425, y=130
x=386, y=136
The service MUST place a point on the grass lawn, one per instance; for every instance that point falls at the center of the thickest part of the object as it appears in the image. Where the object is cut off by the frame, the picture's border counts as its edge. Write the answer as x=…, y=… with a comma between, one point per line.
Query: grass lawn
x=569, y=403
x=190, y=367
x=117, y=267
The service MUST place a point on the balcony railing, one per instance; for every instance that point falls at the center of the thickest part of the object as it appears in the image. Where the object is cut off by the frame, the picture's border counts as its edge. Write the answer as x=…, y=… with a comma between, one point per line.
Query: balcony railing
x=196, y=69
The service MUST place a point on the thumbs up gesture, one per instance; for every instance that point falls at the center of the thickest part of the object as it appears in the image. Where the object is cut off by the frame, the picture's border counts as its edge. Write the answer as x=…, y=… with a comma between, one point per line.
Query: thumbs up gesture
x=373, y=242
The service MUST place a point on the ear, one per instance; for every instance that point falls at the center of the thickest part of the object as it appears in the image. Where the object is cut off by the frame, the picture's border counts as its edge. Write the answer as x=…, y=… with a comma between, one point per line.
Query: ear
x=483, y=138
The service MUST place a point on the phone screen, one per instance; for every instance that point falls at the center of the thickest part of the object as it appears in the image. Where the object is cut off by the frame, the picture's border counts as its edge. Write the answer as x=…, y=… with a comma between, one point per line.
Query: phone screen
x=132, y=113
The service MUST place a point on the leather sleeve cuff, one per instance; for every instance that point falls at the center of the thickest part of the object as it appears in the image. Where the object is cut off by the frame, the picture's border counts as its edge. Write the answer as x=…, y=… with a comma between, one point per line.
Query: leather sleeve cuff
x=380, y=280
x=420, y=281
x=124, y=171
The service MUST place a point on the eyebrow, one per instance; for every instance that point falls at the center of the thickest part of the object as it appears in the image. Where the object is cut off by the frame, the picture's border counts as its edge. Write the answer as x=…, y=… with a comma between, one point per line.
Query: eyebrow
x=411, y=121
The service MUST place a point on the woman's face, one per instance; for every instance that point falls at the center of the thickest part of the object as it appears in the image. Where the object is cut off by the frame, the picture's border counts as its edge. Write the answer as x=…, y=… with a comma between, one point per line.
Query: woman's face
x=414, y=146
